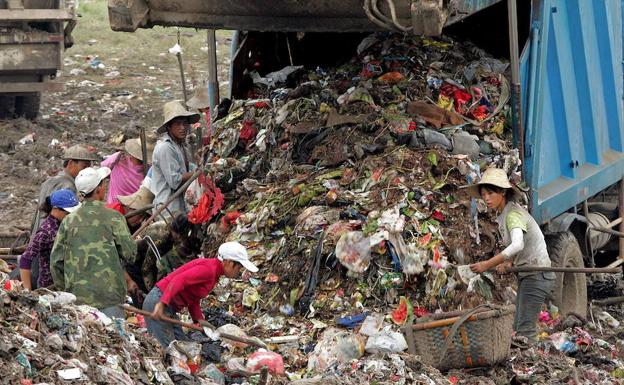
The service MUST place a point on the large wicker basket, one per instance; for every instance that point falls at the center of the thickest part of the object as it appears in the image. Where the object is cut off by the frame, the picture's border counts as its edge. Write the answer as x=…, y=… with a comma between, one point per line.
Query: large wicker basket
x=463, y=339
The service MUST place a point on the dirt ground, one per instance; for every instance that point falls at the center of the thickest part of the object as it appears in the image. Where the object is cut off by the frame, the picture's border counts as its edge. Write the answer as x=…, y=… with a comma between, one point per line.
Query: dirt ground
x=116, y=83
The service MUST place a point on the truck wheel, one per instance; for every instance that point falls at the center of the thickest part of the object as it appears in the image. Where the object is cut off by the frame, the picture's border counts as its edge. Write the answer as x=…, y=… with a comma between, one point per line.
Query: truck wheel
x=7, y=105
x=28, y=105
x=570, y=292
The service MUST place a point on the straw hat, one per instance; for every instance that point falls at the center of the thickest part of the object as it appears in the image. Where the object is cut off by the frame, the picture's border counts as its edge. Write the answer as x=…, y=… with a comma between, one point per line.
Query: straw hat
x=200, y=99
x=79, y=152
x=133, y=147
x=175, y=109
x=492, y=176
x=142, y=198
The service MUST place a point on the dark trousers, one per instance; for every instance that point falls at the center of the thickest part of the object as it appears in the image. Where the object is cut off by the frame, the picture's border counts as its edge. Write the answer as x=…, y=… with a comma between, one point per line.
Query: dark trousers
x=533, y=290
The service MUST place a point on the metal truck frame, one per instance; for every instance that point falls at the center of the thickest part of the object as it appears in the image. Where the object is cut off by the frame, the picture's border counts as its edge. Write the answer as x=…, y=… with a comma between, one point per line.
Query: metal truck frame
x=33, y=37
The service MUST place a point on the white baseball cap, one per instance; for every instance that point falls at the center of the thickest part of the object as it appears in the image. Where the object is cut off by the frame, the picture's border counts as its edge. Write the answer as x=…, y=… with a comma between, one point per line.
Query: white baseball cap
x=88, y=179
x=236, y=252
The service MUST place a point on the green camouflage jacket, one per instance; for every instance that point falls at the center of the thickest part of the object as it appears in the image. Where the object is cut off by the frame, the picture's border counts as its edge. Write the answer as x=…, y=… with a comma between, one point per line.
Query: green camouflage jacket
x=91, y=246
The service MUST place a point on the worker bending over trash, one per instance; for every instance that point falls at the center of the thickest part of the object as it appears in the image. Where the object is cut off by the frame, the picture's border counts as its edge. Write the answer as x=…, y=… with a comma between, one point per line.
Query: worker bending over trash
x=525, y=246
x=187, y=286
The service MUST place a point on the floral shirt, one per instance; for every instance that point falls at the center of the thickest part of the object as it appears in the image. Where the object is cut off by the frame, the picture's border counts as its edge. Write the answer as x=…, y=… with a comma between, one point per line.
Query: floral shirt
x=40, y=247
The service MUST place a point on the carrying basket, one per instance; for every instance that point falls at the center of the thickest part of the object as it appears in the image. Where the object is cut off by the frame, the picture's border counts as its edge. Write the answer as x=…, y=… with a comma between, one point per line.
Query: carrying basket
x=463, y=339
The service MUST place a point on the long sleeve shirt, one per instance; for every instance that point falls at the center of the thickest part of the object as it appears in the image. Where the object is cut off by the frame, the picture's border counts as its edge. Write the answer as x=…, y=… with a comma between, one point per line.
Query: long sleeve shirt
x=92, y=245
x=170, y=161
x=187, y=285
x=39, y=248
x=125, y=178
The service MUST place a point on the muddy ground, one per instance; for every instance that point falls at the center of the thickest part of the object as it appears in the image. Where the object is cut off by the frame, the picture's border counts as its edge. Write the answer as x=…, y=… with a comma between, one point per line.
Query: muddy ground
x=116, y=83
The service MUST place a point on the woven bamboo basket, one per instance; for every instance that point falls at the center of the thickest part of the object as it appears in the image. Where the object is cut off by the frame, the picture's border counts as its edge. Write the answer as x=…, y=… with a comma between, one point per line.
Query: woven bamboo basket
x=473, y=338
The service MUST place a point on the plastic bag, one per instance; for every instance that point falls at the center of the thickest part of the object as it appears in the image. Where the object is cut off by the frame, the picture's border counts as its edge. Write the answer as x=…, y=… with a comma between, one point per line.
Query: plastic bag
x=184, y=357
x=273, y=361
x=386, y=341
x=212, y=373
x=353, y=250
x=372, y=324
x=232, y=330
x=349, y=347
x=335, y=346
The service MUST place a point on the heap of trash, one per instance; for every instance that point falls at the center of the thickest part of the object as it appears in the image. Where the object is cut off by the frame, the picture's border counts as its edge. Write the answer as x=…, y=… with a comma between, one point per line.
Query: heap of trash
x=344, y=185
x=47, y=338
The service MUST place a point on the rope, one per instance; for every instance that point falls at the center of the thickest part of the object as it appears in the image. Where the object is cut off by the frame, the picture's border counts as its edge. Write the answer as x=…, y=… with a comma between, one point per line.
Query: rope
x=152, y=246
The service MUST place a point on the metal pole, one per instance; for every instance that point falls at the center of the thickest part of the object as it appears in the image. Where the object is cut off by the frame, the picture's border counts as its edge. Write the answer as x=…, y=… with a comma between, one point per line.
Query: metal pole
x=233, y=50
x=587, y=270
x=144, y=150
x=213, y=81
x=516, y=101
x=179, y=56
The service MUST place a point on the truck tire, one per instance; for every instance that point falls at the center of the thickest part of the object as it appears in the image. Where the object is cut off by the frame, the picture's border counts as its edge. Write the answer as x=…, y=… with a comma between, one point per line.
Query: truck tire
x=27, y=106
x=570, y=292
x=7, y=106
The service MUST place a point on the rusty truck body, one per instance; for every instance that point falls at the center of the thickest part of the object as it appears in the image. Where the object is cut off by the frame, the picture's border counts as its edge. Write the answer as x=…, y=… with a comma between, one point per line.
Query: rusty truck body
x=33, y=37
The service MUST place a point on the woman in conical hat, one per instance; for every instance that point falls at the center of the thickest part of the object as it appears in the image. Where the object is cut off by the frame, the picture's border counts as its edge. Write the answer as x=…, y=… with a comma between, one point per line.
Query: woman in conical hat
x=524, y=246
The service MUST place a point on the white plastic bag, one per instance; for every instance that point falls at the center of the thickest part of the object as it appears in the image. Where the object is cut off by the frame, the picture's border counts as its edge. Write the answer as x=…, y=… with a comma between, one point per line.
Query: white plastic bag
x=386, y=341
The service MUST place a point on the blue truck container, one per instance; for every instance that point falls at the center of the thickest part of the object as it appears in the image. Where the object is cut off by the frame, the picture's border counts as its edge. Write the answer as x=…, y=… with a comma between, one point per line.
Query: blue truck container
x=571, y=72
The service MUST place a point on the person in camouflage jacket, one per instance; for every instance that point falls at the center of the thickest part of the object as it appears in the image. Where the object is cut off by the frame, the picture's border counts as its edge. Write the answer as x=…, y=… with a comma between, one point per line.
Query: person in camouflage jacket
x=92, y=245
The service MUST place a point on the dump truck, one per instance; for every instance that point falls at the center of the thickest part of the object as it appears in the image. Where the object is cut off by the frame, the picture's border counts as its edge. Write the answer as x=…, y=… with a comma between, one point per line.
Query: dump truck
x=33, y=37
x=568, y=90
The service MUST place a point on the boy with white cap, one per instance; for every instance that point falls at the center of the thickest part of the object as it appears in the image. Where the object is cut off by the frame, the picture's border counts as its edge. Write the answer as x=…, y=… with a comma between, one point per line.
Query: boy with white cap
x=91, y=247
x=186, y=286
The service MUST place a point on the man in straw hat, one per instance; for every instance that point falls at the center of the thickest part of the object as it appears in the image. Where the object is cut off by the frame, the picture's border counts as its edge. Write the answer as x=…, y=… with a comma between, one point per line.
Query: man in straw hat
x=92, y=246
x=172, y=159
x=525, y=246
x=75, y=159
x=126, y=169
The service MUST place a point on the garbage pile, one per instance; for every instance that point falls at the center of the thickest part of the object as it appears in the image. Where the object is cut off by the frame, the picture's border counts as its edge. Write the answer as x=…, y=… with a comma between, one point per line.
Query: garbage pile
x=360, y=166
x=344, y=185
x=48, y=339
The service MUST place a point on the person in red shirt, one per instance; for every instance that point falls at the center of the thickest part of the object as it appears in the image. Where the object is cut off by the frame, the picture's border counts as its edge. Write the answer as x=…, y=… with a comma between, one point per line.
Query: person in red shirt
x=187, y=285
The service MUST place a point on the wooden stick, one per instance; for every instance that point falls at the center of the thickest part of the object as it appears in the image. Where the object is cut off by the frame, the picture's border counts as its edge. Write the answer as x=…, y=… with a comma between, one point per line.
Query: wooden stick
x=586, y=270
x=608, y=301
x=144, y=150
x=249, y=341
x=139, y=211
x=264, y=376
x=160, y=209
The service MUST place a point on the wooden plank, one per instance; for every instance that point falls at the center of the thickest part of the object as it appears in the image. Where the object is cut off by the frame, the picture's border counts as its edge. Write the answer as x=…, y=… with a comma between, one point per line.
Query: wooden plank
x=32, y=87
x=35, y=14
x=30, y=57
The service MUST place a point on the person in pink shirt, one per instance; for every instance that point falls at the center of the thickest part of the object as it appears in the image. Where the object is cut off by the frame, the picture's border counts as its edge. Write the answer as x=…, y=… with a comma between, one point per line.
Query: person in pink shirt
x=126, y=169
x=186, y=286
